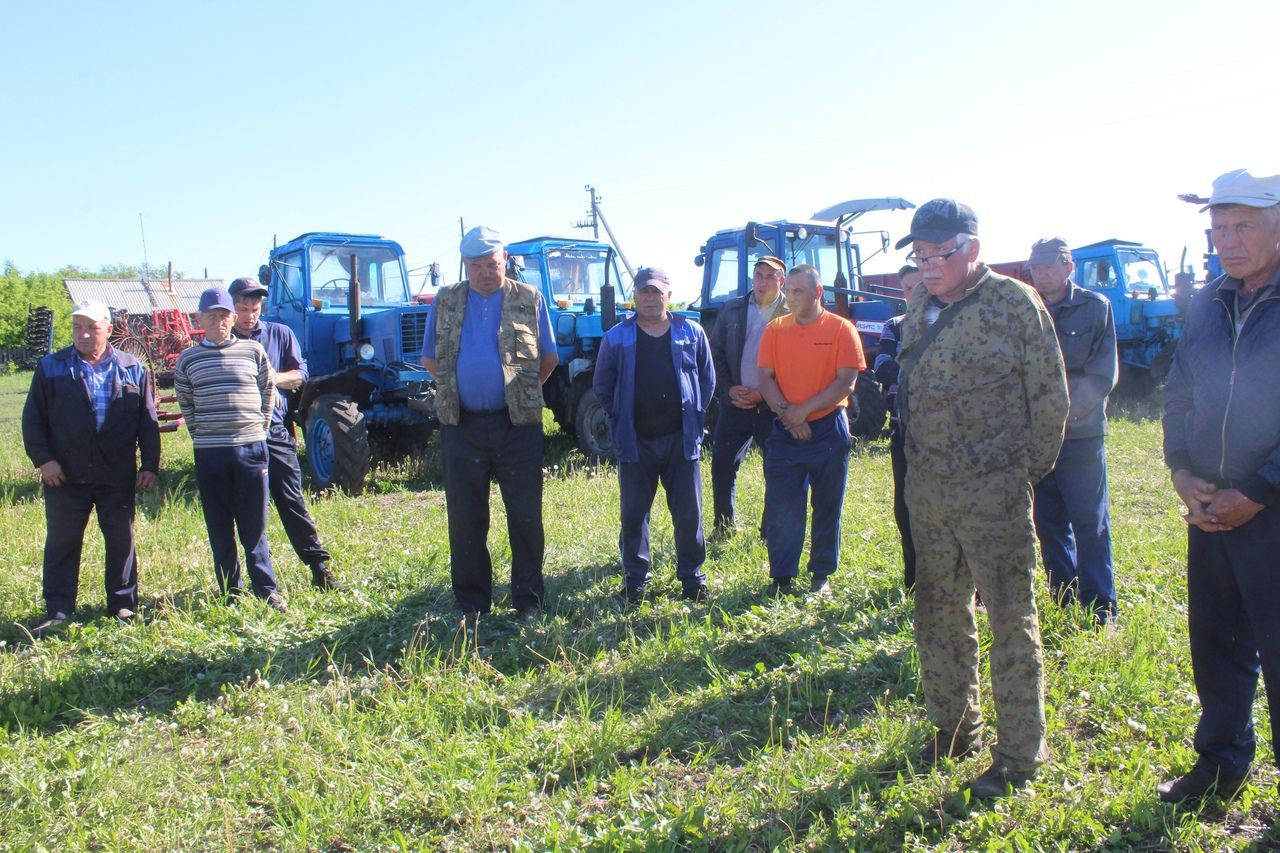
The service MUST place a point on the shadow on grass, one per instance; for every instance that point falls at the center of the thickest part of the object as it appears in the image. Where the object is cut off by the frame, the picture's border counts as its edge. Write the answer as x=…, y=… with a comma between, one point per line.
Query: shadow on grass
x=157, y=684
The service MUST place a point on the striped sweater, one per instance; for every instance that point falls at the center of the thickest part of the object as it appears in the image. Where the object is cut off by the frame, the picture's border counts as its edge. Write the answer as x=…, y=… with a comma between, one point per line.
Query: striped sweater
x=225, y=393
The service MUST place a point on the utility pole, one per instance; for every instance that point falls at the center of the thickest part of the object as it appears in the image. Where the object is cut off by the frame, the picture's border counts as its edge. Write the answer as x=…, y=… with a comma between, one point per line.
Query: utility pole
x=594, y=222
x=146, y=268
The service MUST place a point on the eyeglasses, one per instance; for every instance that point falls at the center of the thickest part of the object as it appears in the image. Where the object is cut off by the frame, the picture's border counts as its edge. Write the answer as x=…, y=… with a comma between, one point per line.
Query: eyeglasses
x=932, y=260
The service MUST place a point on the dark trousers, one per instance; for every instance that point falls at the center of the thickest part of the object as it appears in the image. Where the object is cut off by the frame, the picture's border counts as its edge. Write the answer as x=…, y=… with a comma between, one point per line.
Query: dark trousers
x=661, y=460
x=824, y=461
x=233, y=494
x=1073, y=523
x=66, y=514
x=736, y=431
x=898, y=457
x=1233, y=615
x=284, y=476
x=480, y=449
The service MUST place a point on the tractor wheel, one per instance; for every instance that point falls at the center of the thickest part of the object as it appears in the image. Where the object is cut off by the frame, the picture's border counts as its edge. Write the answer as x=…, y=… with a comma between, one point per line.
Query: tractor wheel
x=1161, y=364
x=867, y=409
x=592, y=427
x=337, y=444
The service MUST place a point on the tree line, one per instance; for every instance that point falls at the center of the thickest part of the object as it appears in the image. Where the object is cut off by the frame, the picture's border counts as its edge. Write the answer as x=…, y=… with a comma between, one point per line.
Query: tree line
x=22, y=291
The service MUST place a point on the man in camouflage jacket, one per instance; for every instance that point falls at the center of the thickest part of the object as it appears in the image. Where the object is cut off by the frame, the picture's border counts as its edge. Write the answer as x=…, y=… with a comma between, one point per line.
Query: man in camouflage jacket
x=983, y=401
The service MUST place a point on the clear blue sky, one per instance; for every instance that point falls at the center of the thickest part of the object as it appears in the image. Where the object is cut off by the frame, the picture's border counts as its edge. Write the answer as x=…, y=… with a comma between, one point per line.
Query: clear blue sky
x=226, y=123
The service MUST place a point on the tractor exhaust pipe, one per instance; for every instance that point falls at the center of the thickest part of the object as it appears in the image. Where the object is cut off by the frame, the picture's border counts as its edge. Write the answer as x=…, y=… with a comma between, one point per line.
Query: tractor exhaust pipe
x=353, y=302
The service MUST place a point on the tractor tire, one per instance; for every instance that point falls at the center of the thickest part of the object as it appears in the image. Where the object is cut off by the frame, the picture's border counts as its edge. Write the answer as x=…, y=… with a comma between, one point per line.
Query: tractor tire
x=1161, y=364
x=337, y=448
x=867, y=408
x=591, y=425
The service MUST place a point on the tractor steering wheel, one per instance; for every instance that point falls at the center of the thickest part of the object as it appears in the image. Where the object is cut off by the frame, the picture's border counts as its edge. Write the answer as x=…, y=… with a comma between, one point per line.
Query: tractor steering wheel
x=334, y=289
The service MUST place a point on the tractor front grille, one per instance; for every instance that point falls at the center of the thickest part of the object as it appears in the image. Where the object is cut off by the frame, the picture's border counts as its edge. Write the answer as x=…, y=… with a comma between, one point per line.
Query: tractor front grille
x=413, y=328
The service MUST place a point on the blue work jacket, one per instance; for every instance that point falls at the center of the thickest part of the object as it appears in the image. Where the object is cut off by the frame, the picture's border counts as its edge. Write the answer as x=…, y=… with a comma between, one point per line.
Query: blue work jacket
x=614, y=383
x=58, y=421
x=1222, y=401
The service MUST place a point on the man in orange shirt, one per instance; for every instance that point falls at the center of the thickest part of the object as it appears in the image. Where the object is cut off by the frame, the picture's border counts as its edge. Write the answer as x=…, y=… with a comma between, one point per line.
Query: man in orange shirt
x=809, y=361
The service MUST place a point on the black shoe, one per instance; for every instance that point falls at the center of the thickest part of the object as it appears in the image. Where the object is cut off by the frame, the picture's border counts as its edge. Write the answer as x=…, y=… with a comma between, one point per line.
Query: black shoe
x=468, y=621
x=696, y=592
x=630, y=594
x=322, y=577
x=820, y=585
x=276, y=602
x=529, y=613
x=1199, y=783
x=999, y=781
x=48, y=626
x=943, y=745
x=779, y=587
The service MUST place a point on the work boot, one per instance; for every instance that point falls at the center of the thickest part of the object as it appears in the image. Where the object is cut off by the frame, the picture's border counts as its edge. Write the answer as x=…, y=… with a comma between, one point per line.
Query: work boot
x=322, y=577
x=696, y=592
x=630, y=595
x=943, y=745
x=999, y=781
x=1199, y=783
x=819, y=585
x=779, y=587
x=124, y=615
x=48, y=626
x=276, y=602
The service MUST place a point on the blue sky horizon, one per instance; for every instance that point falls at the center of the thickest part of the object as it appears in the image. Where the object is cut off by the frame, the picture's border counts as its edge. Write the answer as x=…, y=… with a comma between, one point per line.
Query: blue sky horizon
x=227, y=125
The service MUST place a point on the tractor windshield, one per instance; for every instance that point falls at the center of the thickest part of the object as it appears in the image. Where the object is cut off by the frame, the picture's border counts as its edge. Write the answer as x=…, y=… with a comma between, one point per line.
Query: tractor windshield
x=815, y=249
x=578, y=273
x=1142, y=273
x=380, y=270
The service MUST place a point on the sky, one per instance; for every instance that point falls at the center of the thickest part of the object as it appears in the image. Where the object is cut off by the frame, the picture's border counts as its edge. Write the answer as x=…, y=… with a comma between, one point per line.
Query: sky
x=218, y=127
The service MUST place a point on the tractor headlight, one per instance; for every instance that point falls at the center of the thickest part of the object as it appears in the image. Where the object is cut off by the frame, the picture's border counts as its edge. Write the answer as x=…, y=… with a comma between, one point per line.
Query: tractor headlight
x=365, y=351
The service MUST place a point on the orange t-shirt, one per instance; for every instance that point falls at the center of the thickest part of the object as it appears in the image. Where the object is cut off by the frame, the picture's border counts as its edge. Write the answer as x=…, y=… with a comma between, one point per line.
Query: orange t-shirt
x=804, y=358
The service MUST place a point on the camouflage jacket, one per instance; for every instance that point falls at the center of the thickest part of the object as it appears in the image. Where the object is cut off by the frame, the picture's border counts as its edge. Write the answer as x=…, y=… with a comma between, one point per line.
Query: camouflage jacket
x=517, y=346
x=989, y=392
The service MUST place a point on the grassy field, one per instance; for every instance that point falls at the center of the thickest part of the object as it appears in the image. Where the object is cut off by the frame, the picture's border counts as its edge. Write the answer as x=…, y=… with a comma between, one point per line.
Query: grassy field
x=365, y=721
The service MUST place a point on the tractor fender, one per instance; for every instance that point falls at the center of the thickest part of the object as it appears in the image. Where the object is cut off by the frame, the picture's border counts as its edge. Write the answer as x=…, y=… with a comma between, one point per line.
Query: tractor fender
x=353, y=383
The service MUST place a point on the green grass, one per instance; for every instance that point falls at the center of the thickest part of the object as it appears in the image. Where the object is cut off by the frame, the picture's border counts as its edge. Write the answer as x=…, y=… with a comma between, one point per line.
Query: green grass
x=364, y=721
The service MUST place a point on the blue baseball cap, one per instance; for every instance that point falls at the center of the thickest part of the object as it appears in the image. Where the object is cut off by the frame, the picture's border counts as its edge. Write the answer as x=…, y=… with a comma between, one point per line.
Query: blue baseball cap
x=215, y=298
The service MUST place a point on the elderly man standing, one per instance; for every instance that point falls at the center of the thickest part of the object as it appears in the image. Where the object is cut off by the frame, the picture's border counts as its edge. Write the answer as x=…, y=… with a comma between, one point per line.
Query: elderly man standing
x=490, y=347
x=284, y=474
x=809, y=362
x=89, y=413
x=1072, y=504
x=1222, y=443
x=743, y=419
x=982, y=399
x=224, y=390
x=654, y=379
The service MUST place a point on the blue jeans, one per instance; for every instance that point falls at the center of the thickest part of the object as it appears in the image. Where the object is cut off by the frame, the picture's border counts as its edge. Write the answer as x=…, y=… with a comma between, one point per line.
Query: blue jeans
x=736, y=431
x=1233, y=616
x=233, y=495
x=1073, y=523
x=824, y=461
x=661, y=460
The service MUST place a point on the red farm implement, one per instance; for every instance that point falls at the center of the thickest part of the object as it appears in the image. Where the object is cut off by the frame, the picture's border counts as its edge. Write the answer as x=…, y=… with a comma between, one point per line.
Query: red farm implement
x=157, y=340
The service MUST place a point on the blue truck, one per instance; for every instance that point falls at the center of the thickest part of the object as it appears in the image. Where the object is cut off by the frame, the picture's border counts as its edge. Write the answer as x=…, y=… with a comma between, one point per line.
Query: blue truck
x=347, y=298
x=728, y=260
x=581, y=285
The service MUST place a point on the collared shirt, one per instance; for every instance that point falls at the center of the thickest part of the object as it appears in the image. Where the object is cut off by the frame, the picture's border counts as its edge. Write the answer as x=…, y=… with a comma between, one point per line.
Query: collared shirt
x=99, y=381
x=757, y=319
x=283, y=352
x=480, y=380
x=1240, y=306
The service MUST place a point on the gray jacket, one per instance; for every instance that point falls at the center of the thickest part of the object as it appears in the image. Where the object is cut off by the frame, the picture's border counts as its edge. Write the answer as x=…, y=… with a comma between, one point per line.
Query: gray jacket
x=1087, y=337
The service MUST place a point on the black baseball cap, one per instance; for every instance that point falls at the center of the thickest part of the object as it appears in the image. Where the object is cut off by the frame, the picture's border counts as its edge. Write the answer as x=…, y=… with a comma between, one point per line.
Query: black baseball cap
x=246, y=286
x=939, y=220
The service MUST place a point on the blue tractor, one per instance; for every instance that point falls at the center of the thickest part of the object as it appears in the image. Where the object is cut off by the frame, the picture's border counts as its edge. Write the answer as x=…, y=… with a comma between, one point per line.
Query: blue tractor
x=728, y=260
x=347, y=298
x=581, y=285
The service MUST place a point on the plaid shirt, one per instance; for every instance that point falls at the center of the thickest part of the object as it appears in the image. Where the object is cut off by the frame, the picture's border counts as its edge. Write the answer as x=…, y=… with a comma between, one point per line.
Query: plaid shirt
x=99, y=382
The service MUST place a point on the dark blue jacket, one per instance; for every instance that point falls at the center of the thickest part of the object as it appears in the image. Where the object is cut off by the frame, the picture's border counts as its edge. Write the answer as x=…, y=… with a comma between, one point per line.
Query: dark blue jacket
x=614, y=383
x=284, y=353
x=1222, y=401
x=58, y=421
